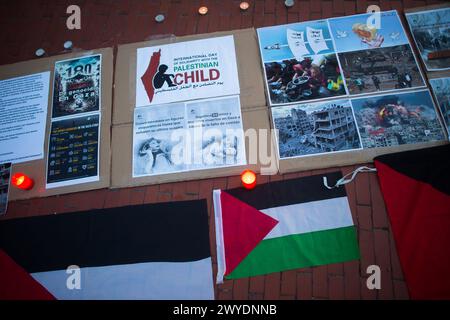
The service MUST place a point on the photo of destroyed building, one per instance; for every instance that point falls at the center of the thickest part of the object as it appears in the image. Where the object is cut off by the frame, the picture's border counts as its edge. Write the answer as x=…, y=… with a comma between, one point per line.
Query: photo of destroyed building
x=392, y=120
x=315, y=128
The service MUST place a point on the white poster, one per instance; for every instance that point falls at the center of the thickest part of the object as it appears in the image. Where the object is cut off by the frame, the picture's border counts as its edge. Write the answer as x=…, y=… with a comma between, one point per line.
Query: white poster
x=186, y=71
x=23, y=115
x=196, y=135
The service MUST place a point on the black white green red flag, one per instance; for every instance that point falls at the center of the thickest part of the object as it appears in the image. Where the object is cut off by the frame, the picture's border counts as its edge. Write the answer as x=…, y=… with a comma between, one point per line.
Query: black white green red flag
x=416, y=189
x=282, y=225
x=156, y=251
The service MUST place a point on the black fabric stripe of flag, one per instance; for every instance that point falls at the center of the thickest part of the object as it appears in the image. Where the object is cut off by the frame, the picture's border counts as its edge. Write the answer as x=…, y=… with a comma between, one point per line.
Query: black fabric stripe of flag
x=288, y=192
x=428, y=165
x=163, y=232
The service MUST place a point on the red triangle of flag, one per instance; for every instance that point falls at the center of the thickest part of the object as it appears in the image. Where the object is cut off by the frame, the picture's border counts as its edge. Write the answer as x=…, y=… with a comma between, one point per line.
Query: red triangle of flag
x=243, y=228
x=17, y=284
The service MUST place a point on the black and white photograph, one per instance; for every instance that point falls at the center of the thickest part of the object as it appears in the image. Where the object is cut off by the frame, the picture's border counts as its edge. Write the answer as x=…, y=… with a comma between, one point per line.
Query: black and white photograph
x=308, y=129
x=5, y=178
x=310, y=78
x=381, y=69
x=221, y=141
x=153, y=142
x=154, y=155
x=195, y=135
x=431, y=32
x=397, y=119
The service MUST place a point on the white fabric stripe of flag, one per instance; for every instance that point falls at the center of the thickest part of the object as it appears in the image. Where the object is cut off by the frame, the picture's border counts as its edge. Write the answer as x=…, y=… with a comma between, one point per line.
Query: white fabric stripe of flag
x=149, y=281
x=310, y=216
x=219, y=236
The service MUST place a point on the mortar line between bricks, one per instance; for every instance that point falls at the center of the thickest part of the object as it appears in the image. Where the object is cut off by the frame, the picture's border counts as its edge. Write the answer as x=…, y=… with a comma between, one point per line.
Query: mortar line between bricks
x=390, y=266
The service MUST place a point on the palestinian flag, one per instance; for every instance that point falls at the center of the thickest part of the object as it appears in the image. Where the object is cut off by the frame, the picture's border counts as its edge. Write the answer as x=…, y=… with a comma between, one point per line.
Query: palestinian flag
x=282, y=225
x=157, y=251
x=416, y=188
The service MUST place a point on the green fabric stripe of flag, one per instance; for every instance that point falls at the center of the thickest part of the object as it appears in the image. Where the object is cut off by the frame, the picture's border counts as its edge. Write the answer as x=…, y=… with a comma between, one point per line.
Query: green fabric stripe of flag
x=299, y=251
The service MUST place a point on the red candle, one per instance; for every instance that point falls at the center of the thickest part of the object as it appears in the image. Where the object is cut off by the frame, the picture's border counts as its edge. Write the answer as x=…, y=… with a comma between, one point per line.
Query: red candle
x=22, y=181
x=248, y=179
x=203, y=10
x=244, y=5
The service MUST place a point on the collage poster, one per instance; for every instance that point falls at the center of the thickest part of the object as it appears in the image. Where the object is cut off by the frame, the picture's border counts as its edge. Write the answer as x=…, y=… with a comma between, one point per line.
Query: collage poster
x=323, y=59
x=431, y=32
x=441, y=90
x=201, y=134
x=315, y=72
x=5, y=178
x=74, y=142
x=77, y=86
x=186, y=70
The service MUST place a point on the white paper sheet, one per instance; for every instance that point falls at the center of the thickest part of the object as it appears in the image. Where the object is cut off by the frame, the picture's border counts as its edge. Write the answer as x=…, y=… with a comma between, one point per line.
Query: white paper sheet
x=202, y=134
x=23, y=115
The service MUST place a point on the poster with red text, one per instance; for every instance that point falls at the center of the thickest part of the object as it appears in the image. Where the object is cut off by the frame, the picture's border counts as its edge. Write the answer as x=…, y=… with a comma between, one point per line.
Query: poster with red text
x=186, y=71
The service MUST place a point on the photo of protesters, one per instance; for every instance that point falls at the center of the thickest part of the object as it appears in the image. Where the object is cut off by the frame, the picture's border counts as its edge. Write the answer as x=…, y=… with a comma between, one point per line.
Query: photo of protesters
x=307, y=79
x=382, y=69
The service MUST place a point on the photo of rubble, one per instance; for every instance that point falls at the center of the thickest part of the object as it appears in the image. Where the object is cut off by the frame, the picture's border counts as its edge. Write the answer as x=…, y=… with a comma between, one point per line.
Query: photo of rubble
x=308, y=129
x=431, y=32
x=397, y=119
x=441, y=89
x=381, y=69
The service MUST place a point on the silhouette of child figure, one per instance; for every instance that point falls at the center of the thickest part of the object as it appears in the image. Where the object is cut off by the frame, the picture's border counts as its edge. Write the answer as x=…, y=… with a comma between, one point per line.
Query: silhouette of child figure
x=161, y=77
